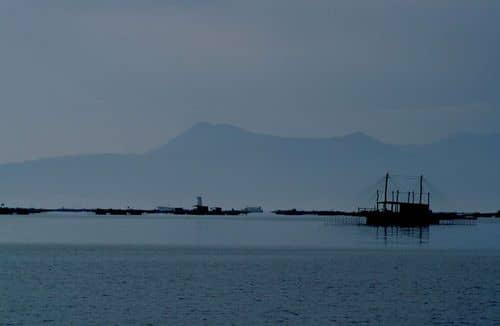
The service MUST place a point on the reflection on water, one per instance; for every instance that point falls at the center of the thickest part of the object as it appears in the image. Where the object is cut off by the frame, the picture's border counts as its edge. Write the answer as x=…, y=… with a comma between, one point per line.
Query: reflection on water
x=387, y=235
x=345, y=220
x=261, y=270
x=448, y=234
x=261, y=231
x=399, y=234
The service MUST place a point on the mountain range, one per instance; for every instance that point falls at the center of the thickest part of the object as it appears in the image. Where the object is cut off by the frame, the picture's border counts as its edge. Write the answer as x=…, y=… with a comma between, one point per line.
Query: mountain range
x=232, y=167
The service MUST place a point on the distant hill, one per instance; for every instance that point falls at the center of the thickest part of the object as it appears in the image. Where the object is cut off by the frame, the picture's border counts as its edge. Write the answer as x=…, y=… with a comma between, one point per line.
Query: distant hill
x=233, y=168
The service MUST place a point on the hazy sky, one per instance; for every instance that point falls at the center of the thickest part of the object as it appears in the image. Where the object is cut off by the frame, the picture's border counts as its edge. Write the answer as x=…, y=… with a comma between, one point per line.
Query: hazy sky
x=126, y=76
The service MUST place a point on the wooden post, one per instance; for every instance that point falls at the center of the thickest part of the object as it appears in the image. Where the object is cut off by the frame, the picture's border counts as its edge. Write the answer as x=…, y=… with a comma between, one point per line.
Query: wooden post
x=397, y=200
x=421, y=188
x=385, y=190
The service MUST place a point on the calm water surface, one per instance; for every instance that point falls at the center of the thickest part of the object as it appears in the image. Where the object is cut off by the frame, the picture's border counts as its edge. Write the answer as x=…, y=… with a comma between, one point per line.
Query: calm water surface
x=256, y=270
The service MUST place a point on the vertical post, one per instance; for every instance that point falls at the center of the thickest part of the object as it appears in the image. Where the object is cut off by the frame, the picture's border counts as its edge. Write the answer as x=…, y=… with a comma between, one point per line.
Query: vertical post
x=385, y=190
x=378, y=195
x=397, y=200
x=408, y=197
x=413, y=197
x=392, y=201
x=421, y=188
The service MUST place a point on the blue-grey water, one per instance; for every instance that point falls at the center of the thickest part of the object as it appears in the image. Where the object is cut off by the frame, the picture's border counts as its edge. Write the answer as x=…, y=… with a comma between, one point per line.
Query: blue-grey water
x=255, y=270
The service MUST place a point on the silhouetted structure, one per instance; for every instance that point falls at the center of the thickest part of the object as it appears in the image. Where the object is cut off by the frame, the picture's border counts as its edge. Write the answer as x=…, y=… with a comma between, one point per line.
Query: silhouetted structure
x=199, y=208
x=401, y=213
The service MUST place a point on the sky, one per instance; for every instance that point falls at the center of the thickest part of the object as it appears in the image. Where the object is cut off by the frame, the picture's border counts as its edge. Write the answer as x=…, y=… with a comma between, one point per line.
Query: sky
x=126, y=76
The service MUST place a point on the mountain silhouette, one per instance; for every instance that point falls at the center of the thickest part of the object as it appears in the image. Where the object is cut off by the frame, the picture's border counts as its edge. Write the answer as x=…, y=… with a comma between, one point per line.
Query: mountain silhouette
x=232, y=167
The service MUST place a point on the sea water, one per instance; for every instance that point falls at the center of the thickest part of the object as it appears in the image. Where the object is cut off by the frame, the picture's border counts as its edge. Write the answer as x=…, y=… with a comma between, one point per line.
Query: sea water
x=255, y=270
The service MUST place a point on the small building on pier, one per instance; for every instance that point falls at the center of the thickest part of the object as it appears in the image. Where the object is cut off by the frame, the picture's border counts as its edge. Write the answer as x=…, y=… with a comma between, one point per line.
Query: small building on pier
x=400, y=212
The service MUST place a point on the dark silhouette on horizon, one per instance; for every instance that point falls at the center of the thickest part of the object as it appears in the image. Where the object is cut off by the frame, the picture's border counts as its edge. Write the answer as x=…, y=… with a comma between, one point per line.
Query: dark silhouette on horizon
x=235, y=168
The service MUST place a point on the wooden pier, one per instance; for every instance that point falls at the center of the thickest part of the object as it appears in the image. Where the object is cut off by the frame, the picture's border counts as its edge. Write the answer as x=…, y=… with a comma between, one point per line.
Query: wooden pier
x=409, y=212
x=405, y=209
x=120, y=212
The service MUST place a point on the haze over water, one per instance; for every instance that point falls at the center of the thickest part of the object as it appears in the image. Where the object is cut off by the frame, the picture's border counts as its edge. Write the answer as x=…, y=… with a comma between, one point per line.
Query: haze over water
x=262, y=269
x=253, y=231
